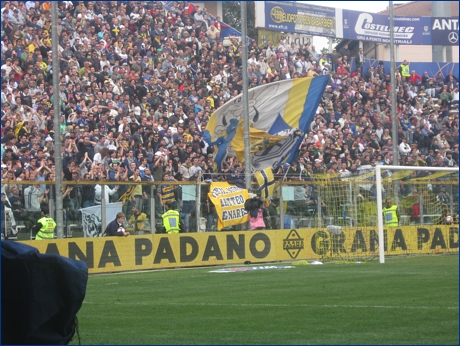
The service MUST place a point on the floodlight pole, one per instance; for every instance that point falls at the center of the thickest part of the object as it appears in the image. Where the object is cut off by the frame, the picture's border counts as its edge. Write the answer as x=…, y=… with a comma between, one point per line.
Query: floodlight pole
x=56, y=122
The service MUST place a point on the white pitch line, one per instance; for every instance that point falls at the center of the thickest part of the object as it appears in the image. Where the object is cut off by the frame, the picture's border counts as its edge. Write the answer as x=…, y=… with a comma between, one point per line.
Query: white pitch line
x=287, y=305
x=326, y=306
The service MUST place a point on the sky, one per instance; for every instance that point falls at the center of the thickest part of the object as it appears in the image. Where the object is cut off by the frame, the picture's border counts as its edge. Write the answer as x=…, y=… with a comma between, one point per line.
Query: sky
x=364, y=6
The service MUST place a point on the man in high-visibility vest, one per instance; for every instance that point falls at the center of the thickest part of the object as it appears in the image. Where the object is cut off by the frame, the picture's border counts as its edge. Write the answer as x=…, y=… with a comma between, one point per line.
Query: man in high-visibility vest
x=404, y=69
x=171, y=220
x=45, y=226
x=390, y=214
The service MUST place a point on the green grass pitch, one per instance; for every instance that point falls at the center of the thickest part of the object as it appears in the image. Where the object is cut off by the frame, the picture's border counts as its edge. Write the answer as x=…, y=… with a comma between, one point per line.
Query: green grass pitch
x=407, y=300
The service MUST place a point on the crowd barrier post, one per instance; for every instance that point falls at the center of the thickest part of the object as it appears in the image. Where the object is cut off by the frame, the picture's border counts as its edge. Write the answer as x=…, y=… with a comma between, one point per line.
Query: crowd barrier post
x=152, y=210
x=52, y=209
x=198, y=202
x=354, y=195
x=421, y=208
x=281, y=207
x=318, y=207
x=103, y=206
x=451, y=200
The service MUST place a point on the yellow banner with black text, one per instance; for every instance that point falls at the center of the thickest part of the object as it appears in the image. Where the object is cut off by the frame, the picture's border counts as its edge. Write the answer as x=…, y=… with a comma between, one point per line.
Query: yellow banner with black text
x=113, y=254
x=229, y=203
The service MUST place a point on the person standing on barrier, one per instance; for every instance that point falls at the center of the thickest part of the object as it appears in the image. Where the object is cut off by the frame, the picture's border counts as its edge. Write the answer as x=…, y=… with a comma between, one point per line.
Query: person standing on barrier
x=146, y=191
x=171, y=219
x=166, y=192
x=44, y=229
x=116, y=227
x=390, y=214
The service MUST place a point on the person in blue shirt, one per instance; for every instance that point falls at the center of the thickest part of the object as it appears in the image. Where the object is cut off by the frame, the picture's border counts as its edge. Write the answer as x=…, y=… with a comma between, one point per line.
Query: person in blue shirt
x=116, y=227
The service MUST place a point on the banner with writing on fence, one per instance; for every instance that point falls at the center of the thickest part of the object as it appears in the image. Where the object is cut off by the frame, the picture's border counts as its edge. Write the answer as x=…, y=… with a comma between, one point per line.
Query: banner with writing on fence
x=91, y=219
x=229, y=203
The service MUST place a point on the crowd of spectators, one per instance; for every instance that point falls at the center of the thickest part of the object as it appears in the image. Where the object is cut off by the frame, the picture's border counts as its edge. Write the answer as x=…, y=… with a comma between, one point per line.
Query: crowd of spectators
x=138, y=84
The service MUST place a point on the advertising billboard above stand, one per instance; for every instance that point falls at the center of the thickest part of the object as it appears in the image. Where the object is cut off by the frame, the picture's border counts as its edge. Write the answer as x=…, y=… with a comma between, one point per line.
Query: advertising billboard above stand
x=444, y=31
x=301, y=18
x=376, y=28
x=291, y=17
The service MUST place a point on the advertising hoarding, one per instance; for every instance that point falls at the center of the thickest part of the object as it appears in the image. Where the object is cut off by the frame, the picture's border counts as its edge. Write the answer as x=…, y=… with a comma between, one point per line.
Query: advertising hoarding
x=376, y=28
x=276, y=36
x=444, y=31
x=299, y=18
x=293, y=17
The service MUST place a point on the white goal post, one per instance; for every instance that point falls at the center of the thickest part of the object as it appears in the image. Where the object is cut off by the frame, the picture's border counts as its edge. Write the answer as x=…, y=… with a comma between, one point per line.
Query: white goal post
x=378, y=180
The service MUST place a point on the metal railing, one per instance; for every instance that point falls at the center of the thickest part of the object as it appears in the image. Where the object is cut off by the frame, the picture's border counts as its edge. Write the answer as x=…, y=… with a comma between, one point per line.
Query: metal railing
x=76, y=201
x=309, y=204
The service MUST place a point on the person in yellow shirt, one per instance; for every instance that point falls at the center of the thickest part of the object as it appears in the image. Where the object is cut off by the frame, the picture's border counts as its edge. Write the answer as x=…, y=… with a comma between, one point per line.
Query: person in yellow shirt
x=390, y=214
x=137, y=196
x=188, y=138
x=138, y=222
x=171, y=220
x=46, y=39
x=311, y=72
x=210, y=98
x=44, y=229
x=323, y=59
x=404, y=68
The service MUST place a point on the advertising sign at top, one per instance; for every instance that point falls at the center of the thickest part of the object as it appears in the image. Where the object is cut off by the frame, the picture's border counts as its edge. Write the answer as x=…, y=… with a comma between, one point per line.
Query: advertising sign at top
x=276, y=36
x=293, y=17
x=376, y=28
x=444, y=31
x=300, y=18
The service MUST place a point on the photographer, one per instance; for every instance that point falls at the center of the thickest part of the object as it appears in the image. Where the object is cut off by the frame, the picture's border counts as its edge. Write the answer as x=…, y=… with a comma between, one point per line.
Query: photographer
x=257, y=212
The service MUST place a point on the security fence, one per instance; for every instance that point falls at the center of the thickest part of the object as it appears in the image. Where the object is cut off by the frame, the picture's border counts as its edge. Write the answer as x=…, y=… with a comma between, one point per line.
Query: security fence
x=315, y=202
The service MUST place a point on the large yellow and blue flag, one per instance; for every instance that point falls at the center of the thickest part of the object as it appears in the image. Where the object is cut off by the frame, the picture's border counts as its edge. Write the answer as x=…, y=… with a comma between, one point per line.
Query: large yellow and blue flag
x=280, y=114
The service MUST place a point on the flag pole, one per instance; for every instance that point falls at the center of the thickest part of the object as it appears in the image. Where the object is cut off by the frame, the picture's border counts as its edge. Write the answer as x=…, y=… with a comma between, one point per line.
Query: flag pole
x=244, y=60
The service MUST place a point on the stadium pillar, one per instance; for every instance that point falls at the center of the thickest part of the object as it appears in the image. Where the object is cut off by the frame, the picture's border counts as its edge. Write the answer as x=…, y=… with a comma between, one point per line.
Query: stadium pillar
x=56, y=122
